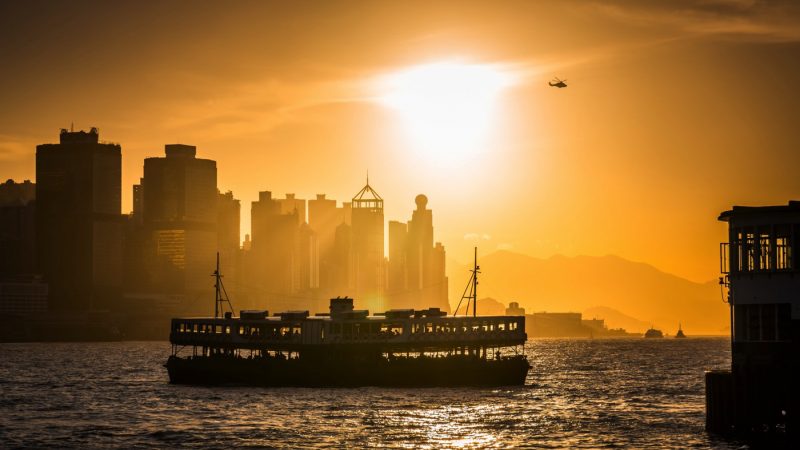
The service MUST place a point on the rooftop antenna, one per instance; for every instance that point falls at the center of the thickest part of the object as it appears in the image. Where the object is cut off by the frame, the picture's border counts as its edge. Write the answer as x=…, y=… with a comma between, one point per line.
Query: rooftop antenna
x=471, y=291
x=220, y=294
x=367, y=177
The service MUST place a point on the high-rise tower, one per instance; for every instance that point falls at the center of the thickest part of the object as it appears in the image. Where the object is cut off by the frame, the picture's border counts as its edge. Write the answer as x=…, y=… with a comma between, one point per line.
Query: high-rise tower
x=79, y=224
x=179, y=200
x=367, y=248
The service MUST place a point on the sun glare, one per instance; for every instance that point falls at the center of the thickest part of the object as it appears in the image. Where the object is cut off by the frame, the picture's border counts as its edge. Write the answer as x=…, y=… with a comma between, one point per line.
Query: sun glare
x=448, y=108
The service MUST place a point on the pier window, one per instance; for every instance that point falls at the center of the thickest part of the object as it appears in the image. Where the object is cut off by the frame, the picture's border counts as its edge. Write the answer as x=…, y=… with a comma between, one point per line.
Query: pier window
x=762, y=322
x=764, y=252
x=783, y=253
x=750, y=251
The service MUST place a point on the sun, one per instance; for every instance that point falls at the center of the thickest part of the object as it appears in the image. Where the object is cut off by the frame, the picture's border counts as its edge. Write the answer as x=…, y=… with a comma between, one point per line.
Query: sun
x=448, y=109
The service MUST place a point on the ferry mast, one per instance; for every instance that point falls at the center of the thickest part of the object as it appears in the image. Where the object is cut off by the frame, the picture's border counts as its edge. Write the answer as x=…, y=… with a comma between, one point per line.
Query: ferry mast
x=220, y=295
x=471, y=291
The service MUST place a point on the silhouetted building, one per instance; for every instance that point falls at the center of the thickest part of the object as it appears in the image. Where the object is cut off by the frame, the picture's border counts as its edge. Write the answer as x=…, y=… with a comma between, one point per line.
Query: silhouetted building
x=398, y=250
x=514, y=309
x=759, y=265
x=417, y=276
x=22, y=295
x=368, y=261
x=292, y=205
x=324, y=218
x=12, y=193
x=283, y=258
x=17, y=228
x=229, y=211
x=79, y=228
x=178, y=201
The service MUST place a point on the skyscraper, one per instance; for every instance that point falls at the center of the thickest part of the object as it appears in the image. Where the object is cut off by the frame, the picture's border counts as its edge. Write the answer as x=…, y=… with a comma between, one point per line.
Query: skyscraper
x=367, y=239
x=178, y=201
x=78, y=220
x=17, y=228
x=324, y=217
x=229, y=212
x=417, y=276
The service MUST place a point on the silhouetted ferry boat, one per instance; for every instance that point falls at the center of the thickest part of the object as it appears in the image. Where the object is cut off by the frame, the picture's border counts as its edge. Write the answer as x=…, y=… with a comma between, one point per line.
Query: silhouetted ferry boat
x=348, y=347
x=652, y=333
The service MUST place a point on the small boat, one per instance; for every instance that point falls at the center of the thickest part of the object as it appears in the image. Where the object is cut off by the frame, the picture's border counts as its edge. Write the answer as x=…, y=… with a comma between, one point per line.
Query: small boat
x=679, y=334
x=652, y=333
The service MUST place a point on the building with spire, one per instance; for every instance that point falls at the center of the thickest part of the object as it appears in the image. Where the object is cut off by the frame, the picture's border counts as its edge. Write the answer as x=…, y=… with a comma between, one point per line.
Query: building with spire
x=367, y=244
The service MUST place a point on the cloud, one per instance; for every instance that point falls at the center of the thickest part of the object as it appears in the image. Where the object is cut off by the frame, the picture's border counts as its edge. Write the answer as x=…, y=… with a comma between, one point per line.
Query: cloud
x=759, y=21
x=12, y=147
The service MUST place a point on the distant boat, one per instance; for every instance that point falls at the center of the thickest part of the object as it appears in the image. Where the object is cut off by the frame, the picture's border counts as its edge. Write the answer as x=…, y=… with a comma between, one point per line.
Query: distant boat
x=679, y=334
x=652, y=333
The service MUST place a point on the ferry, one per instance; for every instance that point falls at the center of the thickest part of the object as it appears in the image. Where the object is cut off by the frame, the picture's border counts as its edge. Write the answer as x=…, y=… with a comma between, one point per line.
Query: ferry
x=346, y=347
x=652, y=333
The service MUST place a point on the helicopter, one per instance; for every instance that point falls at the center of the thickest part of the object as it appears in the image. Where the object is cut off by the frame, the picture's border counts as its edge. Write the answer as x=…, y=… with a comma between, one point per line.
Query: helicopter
x=558, y=83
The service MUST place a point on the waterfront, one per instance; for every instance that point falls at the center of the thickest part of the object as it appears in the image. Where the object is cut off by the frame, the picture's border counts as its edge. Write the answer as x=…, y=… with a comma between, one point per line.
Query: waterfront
x=580, y=393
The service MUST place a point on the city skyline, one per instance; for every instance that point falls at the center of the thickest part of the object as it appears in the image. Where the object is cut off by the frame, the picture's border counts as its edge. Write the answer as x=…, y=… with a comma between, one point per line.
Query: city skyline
x=662, y=104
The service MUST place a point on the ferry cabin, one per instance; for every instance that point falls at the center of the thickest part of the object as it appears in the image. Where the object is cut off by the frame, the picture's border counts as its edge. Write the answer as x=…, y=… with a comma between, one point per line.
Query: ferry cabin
x=345, y=329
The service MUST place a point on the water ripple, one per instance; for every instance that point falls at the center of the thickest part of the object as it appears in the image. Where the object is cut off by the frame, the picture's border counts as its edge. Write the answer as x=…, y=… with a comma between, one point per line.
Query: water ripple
x=580, y=394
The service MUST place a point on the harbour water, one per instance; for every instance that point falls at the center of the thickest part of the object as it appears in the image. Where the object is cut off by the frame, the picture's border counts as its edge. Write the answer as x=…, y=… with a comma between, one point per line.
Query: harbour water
x=580, y=394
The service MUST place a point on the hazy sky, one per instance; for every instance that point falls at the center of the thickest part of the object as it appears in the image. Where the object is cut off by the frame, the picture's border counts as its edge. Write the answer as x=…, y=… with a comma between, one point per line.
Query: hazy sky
x=674, y=110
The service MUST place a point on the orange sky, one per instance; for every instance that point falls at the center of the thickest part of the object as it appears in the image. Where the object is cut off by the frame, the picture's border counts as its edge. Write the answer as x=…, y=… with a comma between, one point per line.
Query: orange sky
x=672, y=113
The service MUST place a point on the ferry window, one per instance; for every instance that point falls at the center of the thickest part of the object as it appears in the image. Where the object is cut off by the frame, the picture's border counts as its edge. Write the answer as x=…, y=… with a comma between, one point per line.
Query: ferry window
x=428, y=327
x=227, y=329
x=512, y=326
x=501, y=326
x=218, y=329
x=194, y=328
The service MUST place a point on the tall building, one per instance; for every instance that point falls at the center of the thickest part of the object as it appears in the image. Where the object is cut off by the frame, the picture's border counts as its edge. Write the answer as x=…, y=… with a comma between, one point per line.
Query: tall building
x=79, y=225
x=178, y=201
x=398, y=242
x=229, y=212
x=283, y=257
x=324, y=218
x=292, y=205
x=17, y=228
x=367, y=240
x=417, y=276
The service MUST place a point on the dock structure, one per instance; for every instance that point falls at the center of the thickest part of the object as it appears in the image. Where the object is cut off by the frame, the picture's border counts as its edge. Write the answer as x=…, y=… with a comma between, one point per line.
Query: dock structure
x=349, y=347
x=759, y=265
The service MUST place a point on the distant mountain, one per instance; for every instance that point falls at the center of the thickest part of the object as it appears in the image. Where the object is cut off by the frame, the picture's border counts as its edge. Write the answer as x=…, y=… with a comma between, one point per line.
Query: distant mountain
x=561, y=283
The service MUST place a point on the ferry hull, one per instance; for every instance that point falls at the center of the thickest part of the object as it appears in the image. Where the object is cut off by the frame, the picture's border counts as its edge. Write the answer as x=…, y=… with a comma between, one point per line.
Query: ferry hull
x=401, y=372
